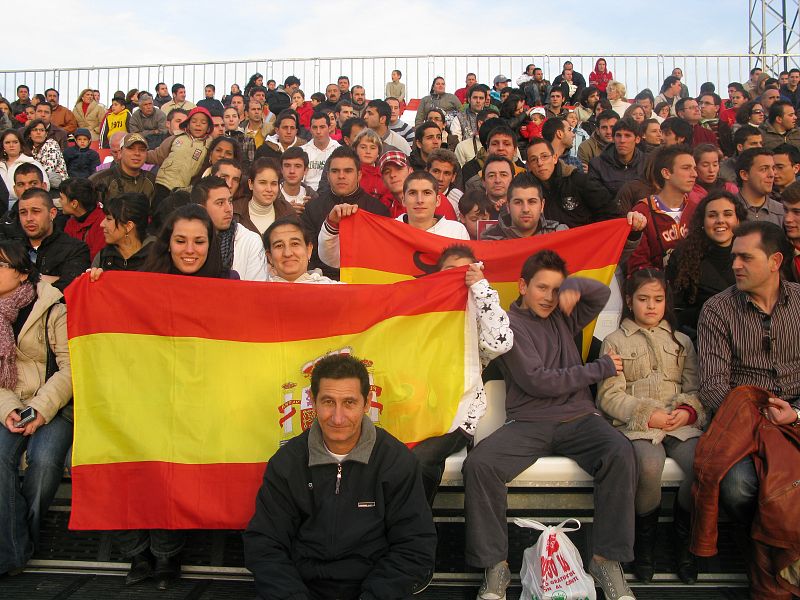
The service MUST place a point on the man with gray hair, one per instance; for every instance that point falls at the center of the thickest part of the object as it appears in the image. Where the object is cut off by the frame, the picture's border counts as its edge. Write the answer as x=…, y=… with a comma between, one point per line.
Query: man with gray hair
x=149, y=121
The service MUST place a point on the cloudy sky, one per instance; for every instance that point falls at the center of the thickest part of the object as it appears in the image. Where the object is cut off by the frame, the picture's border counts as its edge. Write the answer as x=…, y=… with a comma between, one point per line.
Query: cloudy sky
x=82, y=33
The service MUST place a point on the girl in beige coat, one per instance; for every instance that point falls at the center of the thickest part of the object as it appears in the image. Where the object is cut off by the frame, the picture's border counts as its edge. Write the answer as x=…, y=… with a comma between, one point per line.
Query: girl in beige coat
x=88, y=113
x=654, y=402
x=33, y=328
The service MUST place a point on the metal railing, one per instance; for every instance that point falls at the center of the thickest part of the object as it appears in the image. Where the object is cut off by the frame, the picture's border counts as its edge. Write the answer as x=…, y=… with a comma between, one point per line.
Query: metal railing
x=636, y=71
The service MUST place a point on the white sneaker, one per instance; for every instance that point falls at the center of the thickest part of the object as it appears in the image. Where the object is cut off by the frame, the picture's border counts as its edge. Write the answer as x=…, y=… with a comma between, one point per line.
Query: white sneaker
x=495, y=582
x=609, y=576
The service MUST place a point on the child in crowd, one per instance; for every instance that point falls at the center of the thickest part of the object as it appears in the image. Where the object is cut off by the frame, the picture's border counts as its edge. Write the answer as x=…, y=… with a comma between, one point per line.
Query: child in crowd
x=116, y=120
x=473, y=207
x=654, y=402
x=81, y=159
x=369, y=148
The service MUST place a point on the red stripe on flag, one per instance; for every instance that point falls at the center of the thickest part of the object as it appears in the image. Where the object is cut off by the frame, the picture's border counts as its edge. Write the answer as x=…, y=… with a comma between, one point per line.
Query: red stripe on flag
x=130, y=302
x=161, y=495
x=382, y=244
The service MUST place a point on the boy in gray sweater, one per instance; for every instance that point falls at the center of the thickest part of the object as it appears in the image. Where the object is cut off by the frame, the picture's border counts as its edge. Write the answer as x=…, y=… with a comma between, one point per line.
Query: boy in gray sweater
x=550, y=411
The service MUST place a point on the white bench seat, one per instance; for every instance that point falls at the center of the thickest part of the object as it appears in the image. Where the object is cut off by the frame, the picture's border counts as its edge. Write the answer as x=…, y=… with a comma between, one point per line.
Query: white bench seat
x=547, y=472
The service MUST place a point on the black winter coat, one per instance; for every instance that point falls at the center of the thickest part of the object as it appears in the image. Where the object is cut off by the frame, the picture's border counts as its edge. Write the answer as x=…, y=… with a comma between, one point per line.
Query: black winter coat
x=62, y=256
x=609, y=171
x=318, y=209
x=357, y=529
x=81, y=162
x=572, y=198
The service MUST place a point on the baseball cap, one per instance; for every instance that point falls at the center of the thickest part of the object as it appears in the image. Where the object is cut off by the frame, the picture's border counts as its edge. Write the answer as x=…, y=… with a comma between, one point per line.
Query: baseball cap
x=501, y=79
x=538, y=110
x=393, y=157
x=133, y=138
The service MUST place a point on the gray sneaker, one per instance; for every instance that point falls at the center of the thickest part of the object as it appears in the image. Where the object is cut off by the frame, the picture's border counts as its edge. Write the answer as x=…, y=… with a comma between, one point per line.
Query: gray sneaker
x=495, y=582
x=609, y=576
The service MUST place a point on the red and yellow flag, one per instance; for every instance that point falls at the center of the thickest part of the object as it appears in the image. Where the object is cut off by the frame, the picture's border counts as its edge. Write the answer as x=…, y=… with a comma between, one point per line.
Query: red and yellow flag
x=184, y=387
x=376, y=249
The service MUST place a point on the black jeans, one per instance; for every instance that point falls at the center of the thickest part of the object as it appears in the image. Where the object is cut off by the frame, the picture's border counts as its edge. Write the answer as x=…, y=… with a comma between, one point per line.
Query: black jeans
x=163, y=543
x=432, y=454
x=591, y=441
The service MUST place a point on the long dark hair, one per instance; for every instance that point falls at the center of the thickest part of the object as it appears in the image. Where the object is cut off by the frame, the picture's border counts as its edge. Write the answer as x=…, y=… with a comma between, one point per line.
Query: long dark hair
x=632, y=285
x=17, y=256
x=696, y=244
x=160, y=261
x=130, y=207
x=237, y=155
x=82, y=190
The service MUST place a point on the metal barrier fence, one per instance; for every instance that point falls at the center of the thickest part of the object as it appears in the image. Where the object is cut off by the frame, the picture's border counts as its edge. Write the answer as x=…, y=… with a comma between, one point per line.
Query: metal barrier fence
x=636, y=71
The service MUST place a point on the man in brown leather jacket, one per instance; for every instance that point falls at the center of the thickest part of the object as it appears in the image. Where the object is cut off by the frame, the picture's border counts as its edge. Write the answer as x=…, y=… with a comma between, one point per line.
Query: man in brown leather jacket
x=747, y=336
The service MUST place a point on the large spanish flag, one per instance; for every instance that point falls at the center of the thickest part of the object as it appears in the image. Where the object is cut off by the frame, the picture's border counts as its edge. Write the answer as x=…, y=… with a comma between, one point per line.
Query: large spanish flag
x=184, y=387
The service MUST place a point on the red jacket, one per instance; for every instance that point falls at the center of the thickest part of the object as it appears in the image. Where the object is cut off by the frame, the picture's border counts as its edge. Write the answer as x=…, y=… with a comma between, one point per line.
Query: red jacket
x=600, y=80
x=371, y=181
x=660, y=236
x=304, y=112
x=738, y=430
x=701, y=135
x=88, y=230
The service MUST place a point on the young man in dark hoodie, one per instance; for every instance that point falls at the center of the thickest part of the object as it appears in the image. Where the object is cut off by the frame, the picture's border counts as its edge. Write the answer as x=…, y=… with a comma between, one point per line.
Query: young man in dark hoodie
x=550, y=410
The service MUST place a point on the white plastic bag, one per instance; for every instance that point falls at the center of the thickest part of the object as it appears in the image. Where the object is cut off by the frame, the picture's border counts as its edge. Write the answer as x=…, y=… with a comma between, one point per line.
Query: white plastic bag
x=552, y=569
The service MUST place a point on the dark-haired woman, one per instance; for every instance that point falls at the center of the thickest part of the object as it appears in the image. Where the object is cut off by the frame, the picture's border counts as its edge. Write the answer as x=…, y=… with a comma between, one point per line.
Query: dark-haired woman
x=655, y=403
x=184, y=246
x=46, y=152
x=124, y=229
x=80, y=202
x=33, y=325
x=438, y=98
x=701, y=264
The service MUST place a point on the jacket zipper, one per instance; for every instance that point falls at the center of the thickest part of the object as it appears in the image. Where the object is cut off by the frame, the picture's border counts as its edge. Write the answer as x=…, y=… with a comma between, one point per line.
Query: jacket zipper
x=338, y=478
x=781, y=492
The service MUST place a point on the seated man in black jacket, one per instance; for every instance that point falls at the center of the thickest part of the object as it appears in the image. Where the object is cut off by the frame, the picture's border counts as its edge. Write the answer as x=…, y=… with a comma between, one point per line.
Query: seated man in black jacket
x=58, y=257
x=342, y=512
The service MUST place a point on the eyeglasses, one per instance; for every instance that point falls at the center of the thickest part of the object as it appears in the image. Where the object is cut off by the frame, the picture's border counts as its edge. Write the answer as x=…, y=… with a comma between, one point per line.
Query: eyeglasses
x=542, y=158
x=5, y=265
x=758, y=111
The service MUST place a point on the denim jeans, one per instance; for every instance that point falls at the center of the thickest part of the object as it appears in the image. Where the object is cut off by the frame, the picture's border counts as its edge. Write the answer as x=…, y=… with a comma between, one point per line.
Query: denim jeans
x=738, y=491
x=22, y=505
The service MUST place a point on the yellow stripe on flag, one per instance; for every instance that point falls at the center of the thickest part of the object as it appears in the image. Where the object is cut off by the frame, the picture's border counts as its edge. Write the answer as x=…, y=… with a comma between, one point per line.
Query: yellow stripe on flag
x=203, y=401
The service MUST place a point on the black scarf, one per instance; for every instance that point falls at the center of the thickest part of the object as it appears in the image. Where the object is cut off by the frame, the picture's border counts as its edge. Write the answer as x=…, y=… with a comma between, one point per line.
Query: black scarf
x=226, y=245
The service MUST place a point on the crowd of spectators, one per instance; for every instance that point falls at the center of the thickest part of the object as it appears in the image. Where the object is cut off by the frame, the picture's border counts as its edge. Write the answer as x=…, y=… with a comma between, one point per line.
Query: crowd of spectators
x=254, y=187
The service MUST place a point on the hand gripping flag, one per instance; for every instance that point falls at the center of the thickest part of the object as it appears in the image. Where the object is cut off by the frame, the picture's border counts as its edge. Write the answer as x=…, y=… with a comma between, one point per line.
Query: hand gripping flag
x=184, y=386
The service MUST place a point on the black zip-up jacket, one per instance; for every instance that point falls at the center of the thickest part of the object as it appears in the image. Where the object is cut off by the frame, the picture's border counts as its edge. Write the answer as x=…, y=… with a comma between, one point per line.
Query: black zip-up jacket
x=109, y=258
x=357, y=529
x=62, y=256
x=318, y=209
x=572, y=198
x=608, y=170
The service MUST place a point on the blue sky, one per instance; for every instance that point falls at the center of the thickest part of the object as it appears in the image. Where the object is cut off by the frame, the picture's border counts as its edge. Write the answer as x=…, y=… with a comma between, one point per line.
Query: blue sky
x=102, y=33
x=91, y=33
